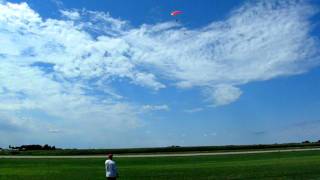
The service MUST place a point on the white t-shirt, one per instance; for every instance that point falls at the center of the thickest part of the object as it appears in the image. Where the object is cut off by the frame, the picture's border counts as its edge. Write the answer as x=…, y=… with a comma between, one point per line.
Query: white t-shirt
x=111, y=169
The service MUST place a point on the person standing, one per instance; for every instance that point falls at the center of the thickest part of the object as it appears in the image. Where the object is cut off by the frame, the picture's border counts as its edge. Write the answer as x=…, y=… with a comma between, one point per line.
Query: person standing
x=111, y=168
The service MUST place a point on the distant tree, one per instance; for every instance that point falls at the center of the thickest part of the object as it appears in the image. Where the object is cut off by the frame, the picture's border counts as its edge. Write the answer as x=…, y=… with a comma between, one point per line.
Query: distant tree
x=174, y=146
x=32, y=147
x=46, y=147
x=306, y=142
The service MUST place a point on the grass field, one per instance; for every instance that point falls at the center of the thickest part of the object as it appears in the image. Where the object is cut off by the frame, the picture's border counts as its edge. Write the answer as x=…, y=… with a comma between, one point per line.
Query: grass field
x=286, y=165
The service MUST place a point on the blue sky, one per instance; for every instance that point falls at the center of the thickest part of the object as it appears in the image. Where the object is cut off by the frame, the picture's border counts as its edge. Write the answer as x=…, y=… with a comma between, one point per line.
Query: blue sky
x=117, y=73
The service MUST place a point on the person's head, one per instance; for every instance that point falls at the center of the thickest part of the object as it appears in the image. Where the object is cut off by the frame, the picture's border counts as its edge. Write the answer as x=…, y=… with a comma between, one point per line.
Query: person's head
x=110, y=156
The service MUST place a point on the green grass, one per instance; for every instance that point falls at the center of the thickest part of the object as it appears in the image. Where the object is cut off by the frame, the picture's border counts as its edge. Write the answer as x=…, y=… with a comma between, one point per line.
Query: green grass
x=287, y=165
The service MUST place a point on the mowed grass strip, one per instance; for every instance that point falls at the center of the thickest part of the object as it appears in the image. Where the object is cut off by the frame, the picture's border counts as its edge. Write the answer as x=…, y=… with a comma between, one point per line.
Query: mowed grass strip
x=286, y=165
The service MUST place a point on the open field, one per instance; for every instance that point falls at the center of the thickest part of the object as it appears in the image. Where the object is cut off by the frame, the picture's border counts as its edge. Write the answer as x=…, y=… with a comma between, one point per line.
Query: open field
x=179, y=154
x=280, y=165
x=161, y=150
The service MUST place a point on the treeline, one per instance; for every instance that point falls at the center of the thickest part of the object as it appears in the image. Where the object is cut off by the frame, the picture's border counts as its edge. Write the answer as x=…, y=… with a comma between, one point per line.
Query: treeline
x=51, y=150
x=32, y=147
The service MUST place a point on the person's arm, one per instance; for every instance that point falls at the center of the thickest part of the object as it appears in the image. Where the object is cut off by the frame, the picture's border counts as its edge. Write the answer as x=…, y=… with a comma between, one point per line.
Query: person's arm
x=107, y=166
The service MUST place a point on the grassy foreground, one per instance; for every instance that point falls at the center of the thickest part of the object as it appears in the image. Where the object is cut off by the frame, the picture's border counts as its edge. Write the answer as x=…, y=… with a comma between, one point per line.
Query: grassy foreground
x=286, y=165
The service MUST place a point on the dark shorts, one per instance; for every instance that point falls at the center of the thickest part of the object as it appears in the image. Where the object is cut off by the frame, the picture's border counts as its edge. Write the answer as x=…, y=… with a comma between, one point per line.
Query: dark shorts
x=111, y=178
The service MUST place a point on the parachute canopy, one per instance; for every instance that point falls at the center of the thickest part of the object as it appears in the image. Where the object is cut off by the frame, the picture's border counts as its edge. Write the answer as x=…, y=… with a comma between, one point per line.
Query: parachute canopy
x=176, y=13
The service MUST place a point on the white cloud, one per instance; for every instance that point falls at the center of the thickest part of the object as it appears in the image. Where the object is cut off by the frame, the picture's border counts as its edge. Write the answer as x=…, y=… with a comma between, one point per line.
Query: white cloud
x=223, y=94
x=257, y=42
x=73, y=15
x=147, y=80
x=38, y=60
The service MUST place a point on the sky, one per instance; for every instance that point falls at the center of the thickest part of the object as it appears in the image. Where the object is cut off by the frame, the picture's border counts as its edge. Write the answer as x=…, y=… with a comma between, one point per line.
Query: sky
x=122, y=74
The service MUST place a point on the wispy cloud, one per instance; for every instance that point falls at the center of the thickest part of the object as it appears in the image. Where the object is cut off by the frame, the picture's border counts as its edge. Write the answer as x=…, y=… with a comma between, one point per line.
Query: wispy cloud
x=259, y=133
x=298, y=131
x=155, y=108
x=73, y=15
x=194, y=110
x=54, y=131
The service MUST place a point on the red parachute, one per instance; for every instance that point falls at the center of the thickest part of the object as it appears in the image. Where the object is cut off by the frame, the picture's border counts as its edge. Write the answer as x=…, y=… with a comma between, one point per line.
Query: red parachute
x=176, y=13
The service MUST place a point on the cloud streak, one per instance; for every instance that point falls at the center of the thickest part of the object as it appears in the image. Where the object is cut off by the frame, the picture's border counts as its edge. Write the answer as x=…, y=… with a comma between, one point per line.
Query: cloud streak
x=147, y=108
